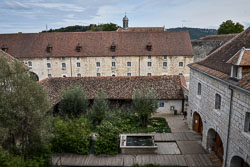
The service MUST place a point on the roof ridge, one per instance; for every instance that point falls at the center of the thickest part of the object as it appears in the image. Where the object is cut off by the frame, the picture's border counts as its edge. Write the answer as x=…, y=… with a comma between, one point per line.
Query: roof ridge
x=225, y=44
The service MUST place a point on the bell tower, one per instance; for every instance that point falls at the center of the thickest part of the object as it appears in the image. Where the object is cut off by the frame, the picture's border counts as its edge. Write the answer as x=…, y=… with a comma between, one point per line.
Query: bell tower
x=125, y=22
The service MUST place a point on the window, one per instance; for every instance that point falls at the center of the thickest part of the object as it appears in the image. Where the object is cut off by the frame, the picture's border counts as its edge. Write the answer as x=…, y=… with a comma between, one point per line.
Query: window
x=149, y=57
x=64, y=75
x=149, y=64
x=98, y=64
x=48, y=65
x=235, y=71
x=113, y=57
x=217, y=101
x=129, y=64
x=199, y=89
x=161, y=104
x=98, y=74
x=113, y=64
x=78, y=64
x=181, y=64
x=113, y=75
x=129, y=74
x=63, y=66
x=247, y=122
x=63, y=58
x=49, y=75
x=149, y=74
x=171, y=107
x=79, y=75
x=164, y=64
x=30, y=64
x=165, y=57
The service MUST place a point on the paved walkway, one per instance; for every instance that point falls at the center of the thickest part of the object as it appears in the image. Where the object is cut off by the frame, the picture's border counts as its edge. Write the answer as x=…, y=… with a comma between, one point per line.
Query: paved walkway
x=180, y=148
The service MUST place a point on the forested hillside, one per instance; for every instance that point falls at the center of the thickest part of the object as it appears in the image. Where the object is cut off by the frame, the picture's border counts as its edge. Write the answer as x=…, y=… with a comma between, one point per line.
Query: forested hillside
x=196, y=33
x=89, y=28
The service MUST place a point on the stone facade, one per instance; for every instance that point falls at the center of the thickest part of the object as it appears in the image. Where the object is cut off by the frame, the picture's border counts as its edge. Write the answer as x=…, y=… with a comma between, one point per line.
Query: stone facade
x=88, y=66
x=218, y=119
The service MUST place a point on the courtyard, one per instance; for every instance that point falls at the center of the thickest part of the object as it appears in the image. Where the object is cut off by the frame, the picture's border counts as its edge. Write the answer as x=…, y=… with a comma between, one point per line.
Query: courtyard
x=182, y=147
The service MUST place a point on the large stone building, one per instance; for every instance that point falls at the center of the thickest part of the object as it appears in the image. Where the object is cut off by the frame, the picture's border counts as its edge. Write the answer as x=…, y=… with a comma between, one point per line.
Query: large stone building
x=130, y=52
x=219, y=101
x=167, y=89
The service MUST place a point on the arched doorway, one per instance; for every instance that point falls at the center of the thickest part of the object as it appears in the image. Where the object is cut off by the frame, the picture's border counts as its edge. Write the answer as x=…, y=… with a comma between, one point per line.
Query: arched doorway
x=197, y=123
x=238, y=162
x=34, y=76
x=214, y=143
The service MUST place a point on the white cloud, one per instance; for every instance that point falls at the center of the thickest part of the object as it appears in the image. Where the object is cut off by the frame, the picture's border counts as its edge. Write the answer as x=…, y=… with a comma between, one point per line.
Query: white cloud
x=15, y=5
x=60, y=6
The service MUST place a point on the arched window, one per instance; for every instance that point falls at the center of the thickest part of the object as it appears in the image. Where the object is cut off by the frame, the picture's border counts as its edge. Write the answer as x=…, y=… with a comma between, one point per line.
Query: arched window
x=217, y=101
x=199, y=89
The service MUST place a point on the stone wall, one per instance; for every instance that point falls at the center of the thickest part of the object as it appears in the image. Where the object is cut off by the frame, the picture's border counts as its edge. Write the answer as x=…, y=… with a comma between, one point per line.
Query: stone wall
x=204, y=105
x=206, y=45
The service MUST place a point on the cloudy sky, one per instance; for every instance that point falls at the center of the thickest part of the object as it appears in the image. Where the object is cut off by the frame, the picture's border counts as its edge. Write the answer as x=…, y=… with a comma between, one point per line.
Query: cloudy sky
x=33, y=15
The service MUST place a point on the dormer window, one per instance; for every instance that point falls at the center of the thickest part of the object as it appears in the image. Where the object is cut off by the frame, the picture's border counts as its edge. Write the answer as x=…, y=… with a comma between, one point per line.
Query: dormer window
x=49, y=48
x=113, y=47
x=78, y=47
x=4, y=48
x=235, y=72
x=149, y=46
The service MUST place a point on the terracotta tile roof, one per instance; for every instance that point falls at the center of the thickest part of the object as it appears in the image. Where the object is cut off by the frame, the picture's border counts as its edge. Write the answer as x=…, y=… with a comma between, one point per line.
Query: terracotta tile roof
x=97, y=44
x=218, y=64
x=245, y=60
x=183, y=82
x=142, y=29
x=217, y=60
x=219, y=37
x=241, y=58
x=165, y=87
x=10, y=59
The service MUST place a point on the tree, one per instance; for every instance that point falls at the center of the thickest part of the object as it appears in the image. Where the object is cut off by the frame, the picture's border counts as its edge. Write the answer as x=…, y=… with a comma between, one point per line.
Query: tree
x=100, y=106
x=74, y=102
x=144, y=104
x=23, y=109
x=230, y=27
x=71, y=136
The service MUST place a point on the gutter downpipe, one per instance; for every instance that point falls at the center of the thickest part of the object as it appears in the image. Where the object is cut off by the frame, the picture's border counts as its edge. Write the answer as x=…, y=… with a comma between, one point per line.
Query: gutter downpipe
x=229, y=123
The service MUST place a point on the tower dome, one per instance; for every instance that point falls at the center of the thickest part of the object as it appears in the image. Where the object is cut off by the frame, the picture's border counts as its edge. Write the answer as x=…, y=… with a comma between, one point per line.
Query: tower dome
x=125, y=22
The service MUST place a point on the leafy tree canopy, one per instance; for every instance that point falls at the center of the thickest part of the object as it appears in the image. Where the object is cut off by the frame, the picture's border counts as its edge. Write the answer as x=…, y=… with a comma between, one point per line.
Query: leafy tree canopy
x=144, y=104
x=230, y=27
x=23, y=109
x=74, y=102
x=99, y=108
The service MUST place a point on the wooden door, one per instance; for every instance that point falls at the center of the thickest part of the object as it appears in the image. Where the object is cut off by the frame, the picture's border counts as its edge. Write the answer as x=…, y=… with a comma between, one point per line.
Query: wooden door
x=200, y=125
x=245, y=165
x=196, y=123
x=218, y=147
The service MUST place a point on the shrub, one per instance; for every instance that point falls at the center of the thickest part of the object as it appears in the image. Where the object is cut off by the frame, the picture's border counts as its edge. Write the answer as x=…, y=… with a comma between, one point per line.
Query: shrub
x=74, y=102
x=71, y=136
x=7, y=160
x=108, y=140
x=100, y=107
